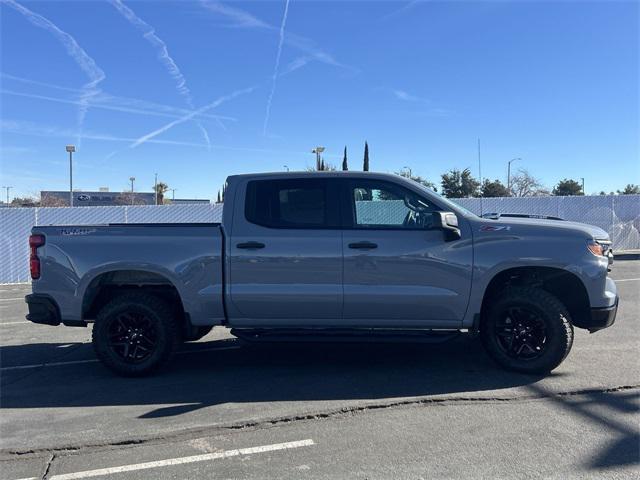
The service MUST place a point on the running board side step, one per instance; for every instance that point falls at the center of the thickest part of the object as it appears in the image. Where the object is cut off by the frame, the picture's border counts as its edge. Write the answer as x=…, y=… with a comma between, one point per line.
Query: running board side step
x=343, y=335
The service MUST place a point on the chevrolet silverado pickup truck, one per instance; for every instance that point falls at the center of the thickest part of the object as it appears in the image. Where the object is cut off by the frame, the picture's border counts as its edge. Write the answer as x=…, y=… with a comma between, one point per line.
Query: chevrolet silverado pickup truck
x=327, y=256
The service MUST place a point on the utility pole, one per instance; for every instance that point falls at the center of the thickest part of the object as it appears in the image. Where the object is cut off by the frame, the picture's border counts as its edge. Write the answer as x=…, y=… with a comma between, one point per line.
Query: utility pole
x=155, y=188
x=480, y=175
x=70, y=149
x=132, y=179
x=479, y=164
x=509, y=173
x=7, y=189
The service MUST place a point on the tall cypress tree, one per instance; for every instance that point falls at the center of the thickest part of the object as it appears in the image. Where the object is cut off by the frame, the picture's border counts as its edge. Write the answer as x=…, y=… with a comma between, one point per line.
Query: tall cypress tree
x=365, y=165
x=345, y=167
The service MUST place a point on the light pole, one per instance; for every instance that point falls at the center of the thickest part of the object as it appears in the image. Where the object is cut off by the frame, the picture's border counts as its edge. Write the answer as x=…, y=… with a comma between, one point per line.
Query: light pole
x=132, y=179
x=318, y=151
x=173, y=194
x=509, y=173
x=7, y=189
x=410, y=172
x=582, y=178
x=287, y=167
x=155, y=187
x=70, y=149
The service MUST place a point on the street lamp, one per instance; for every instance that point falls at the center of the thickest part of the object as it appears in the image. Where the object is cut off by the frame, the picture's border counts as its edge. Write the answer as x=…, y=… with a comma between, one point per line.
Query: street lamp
x=287, y=167
x=509, y=173
x=173, y=194
x=410, y=173
x=70, y=149
x=583, y=186
x=132, y=179
x=318, y=151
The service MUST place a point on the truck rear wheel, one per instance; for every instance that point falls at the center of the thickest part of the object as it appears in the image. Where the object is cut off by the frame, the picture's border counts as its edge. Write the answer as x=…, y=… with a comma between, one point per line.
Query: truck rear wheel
x=135, y=334
x=528, y=330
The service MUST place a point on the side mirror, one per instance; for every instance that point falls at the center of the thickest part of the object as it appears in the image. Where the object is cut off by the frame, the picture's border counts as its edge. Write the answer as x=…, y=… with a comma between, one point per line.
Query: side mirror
x=448, y=223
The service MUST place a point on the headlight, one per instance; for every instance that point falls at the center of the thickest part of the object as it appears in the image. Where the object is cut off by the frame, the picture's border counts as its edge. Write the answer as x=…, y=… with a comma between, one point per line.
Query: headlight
x=595, y=248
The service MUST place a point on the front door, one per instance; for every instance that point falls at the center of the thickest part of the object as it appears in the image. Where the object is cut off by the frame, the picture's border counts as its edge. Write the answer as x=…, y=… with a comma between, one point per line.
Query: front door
x=285, y=248
x=399, y=272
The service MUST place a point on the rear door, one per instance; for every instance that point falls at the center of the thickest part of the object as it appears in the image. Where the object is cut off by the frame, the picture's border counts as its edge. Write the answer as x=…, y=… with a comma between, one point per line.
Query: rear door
x=398, y=270
x=285, y=253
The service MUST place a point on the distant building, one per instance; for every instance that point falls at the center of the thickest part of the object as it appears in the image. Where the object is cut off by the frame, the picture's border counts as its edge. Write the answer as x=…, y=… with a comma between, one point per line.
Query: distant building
x=96, y=199
x=105, y=198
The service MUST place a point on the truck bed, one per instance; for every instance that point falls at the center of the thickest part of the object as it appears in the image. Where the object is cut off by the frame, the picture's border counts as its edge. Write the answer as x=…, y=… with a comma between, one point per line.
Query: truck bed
x=76, y=259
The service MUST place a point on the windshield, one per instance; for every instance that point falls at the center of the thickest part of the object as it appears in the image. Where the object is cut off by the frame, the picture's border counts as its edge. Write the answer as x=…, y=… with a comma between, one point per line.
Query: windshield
x=448, y=203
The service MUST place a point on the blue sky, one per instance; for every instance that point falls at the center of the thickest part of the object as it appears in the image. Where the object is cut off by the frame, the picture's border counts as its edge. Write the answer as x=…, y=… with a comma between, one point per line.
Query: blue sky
x=199, y=90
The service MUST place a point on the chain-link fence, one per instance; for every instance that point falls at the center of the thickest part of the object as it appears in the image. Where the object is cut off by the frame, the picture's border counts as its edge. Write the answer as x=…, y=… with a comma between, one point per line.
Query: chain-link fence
x=617, y=214
x=16, y=223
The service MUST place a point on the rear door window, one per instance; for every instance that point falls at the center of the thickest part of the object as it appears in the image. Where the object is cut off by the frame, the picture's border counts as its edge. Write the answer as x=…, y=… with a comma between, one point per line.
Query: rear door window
x=291, y=203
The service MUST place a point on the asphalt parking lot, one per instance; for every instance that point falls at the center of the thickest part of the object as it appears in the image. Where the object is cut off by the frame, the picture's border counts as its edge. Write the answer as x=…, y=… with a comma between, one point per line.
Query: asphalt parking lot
x=222, y=410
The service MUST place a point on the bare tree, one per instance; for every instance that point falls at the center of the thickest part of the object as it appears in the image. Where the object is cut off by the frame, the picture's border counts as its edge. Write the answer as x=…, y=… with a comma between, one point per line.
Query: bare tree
x=418, y=178
x=129, y=198
x=523, y=184
x=52, y=201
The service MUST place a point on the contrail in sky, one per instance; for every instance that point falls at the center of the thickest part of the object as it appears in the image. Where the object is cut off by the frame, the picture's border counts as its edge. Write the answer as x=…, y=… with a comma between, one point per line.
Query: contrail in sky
x=107, y=101
x=84, y=61
x=149, y=34
x=276, y=68
x=189, y=116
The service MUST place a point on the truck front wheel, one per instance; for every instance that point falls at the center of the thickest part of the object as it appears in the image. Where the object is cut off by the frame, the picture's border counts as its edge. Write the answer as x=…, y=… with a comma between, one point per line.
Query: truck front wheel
x=135, y=333
x=527, y=329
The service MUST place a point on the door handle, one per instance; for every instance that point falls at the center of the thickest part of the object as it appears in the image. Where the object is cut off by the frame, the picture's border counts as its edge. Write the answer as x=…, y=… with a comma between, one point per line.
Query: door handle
x=363, y=245
x=250, y=245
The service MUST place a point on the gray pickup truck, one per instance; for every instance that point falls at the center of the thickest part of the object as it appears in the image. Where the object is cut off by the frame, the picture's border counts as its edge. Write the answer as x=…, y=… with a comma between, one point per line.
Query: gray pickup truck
x=333, y=256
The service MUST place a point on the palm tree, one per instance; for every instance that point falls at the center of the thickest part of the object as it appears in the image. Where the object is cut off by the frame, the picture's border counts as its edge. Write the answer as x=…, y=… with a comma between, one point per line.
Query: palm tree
x=161, y=189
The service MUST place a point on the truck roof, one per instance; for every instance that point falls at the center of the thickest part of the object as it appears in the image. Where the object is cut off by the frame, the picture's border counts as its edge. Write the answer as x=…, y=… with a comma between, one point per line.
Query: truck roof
x=314, y=173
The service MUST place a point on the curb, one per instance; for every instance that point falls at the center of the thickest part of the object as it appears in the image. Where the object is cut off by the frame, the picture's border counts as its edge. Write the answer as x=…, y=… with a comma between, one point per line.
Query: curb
x=626, y=256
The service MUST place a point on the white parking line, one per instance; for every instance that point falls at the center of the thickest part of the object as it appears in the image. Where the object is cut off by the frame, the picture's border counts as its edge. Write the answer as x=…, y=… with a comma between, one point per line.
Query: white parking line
x=627, y=280
x=11, y=299
x=184, y=460
x=14, y=323
x=94, y=360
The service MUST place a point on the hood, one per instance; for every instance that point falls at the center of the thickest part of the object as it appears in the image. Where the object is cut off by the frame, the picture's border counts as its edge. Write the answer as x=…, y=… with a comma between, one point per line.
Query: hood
x=591, y=230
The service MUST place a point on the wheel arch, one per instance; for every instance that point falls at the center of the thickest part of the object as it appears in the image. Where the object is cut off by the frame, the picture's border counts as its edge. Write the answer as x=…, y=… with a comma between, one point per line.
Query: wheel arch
x=105, y=285
x=561, y=283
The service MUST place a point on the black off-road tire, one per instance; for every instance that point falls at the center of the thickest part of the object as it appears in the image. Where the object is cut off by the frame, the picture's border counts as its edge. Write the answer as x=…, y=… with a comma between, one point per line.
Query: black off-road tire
x=196, y=333
x=165, y=329
x=551, y=312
